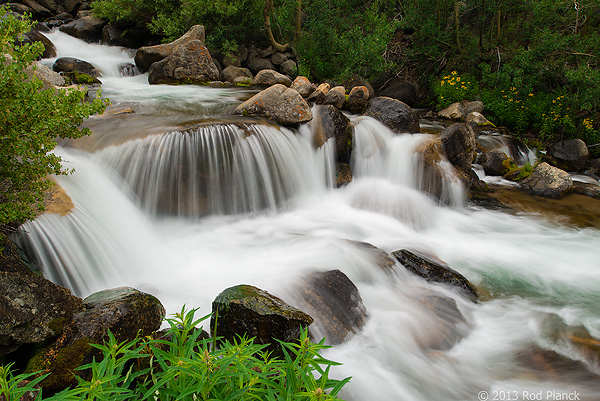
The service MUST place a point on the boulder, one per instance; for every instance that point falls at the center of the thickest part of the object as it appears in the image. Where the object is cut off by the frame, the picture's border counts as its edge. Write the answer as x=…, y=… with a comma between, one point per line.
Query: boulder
x=257, y=64
x=396, y=115
x=148, y=55
x=125, y=311
x=475, y=119
x=455, y=111
x=358, y=81
x=336, y=97
x=71, y=6
x=303, y=86
x=52, y=5
x=278, y=58
x=36, y=36
x=33, y=310
x=46, y=75
x=473, y=107
x=332, y=123
x=71, y=64
x=357, y=100
x=401, y=90
x=247, y=81
x=434, y=271
x=570, y=155
x=496, y=163
x=270, y=78
x=434, y=178
x=334, y=303
x=38, y=11
x=231, y=59
x=289, y=67
x=128, y=70
x=548, y=181
x=88, y=29
x=187, y=64
x=278, y=103
x=318, y=95
x=458, y=144
x=113, y=36
x=230, y=73
x=247, y=310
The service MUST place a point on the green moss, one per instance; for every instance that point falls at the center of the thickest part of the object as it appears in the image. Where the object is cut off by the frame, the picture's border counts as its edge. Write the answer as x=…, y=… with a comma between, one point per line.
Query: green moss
x=509, y=164
x=58, y=325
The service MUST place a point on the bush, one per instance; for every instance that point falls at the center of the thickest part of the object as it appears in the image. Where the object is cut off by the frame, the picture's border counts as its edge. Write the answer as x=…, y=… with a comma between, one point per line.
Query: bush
x=30, y=119
x=185, y=366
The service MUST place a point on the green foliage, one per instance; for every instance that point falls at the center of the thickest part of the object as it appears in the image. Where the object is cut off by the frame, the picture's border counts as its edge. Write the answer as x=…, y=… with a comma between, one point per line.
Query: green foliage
x=226, y=21
x=30, y=119
x=454, y=87
x=184, y=366
x=12, y=387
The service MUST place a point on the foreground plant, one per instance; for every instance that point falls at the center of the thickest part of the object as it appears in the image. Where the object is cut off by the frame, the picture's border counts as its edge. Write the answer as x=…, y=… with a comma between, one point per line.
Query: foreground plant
x=187, y=365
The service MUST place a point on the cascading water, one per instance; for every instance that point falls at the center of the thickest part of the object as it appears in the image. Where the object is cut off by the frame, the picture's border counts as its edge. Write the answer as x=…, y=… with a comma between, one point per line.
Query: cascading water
x=421, y=341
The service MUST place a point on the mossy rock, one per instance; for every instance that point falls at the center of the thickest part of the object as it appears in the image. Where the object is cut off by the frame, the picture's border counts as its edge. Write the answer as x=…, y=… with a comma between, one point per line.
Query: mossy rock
x=80, y=78
x=248, y=310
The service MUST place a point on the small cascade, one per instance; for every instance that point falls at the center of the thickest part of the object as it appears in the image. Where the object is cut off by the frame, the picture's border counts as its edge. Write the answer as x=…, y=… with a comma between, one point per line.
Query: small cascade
x=379, y=153
x=514, y=148
x=220, y=169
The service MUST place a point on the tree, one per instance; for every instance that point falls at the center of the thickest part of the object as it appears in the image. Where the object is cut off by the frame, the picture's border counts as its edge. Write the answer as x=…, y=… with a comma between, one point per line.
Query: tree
x=30, y=119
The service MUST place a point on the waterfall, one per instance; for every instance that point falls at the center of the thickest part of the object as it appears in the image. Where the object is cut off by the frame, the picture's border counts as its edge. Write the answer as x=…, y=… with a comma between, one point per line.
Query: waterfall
x=187, y=212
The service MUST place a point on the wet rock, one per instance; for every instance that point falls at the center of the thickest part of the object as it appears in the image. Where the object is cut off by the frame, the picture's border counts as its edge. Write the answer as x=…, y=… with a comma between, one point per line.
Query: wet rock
x=289, y=67
x=458, y=144
x=148, y=55
x=548, y=181
x=318, y=95
x=247, y=310
x=125, y=311
x=270, y=78
x=404, y=91
x=586, y=189
x=49, y=78
x=570, y=155
x=496, y=163
x=381, y=258
x=449, y=325
x=87, y=28
x=187, y=64
x=33, y=310
x=128, y=70
x=335, y=304
x=430, y=158
x=36, y=36
x=303, y=86
x=71, y=64
x=396, y=115
x=434, y=271
x=38, y=10
x=357, y=99
x=336, y=96
x=231, y=59
x=595, y=167
x=332, y=123
x=343, y=174
x=230, y=73
x=283, y=105
x=455, y=111
x=56, y=201
x=113, y=36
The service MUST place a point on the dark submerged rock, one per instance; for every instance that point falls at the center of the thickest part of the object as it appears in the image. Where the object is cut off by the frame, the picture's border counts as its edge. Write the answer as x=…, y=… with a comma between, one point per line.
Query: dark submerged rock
x=396, y=115
x=245, y=309
x=71, y=64
x=333, y=300
x=87, y=28
x=436, y=272
x=496, y=163
x=458, y=144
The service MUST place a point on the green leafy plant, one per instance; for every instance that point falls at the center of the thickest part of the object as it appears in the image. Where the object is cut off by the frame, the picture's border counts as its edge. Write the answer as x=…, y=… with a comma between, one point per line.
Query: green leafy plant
x=30, y=119
x=184, y=364
x=454, y=87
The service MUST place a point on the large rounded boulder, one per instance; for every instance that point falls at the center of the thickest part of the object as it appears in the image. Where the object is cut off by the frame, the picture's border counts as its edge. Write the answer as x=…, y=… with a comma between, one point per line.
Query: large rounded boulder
x=87, y=28
x=248, y=310
x=187, y=64
x=71, y=64
x=278, y=103
x=148, y=55
x=396, y=115
x=570, y=155
x=458, y=144
x=270, y=78
x=333, y=300
x=496, y=162
x=548, y=181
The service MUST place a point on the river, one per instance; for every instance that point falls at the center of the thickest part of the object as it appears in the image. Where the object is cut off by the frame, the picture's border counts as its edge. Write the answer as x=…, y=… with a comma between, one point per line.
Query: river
x=266, y=212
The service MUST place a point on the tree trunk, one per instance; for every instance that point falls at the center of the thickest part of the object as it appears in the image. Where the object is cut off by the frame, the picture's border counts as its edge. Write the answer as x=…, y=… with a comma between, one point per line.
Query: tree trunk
x=457, y=23
x=298, y=21
x=268, y=10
